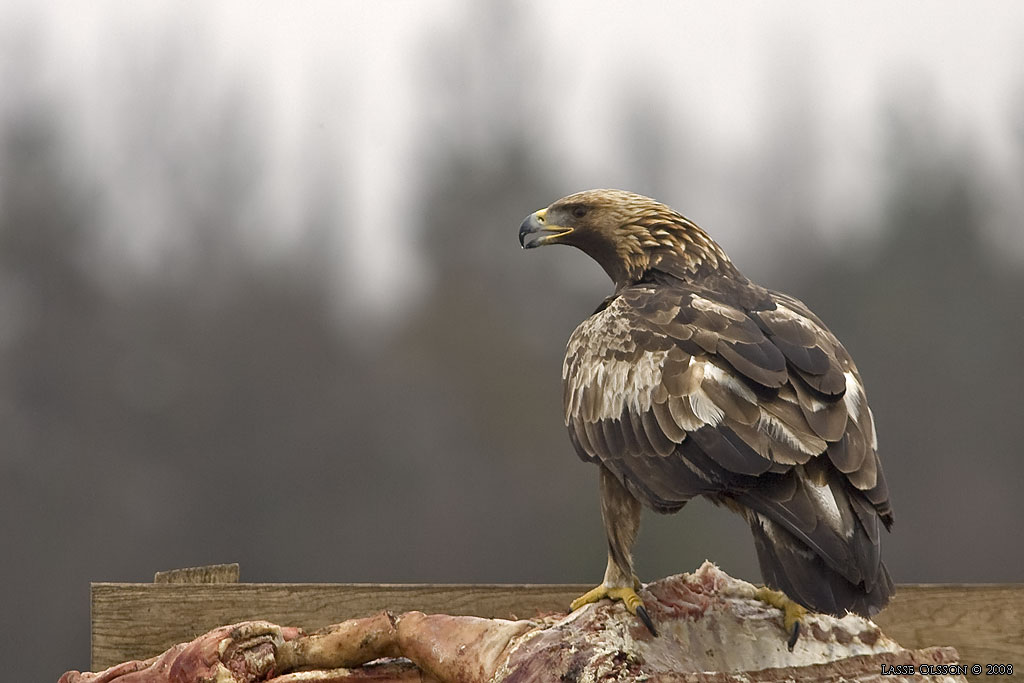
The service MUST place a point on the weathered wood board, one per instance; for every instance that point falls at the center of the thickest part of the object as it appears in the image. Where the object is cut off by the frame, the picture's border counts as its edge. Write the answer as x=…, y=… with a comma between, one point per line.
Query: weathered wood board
x=138, y=620
x=133, y=621
x=984, y=622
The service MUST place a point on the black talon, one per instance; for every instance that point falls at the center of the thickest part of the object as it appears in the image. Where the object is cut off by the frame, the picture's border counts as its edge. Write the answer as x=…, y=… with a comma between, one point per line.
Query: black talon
x=794, y=636
x=641, y=612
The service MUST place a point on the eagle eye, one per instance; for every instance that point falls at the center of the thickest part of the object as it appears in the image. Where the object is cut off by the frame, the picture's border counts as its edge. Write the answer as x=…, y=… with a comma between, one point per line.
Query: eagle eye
x=579, y=211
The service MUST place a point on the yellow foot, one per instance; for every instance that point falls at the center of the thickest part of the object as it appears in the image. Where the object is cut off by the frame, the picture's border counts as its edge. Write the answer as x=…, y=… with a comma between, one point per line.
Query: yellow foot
x=625, y=594
x=792, y=612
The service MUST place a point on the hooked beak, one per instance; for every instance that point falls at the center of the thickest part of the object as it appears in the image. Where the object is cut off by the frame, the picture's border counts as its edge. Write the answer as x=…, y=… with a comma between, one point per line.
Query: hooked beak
x=535, y=231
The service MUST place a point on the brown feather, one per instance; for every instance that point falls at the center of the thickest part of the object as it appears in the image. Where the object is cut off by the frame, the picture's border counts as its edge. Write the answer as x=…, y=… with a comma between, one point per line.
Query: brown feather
x=595, y=437
x=666, y=423
x=660, y=442
x=826, y=415
x=578, y=432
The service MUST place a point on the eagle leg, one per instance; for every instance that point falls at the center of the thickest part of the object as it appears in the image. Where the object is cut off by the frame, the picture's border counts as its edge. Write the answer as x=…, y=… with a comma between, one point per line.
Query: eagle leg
x=792, y=612
x=620, y=511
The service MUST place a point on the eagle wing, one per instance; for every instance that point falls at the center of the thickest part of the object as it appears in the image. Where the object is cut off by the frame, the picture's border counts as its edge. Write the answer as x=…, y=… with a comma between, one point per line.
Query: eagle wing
x=679, y=393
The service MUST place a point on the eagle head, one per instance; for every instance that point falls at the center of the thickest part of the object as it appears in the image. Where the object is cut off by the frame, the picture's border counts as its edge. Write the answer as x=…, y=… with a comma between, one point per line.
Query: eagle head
x=628, y=234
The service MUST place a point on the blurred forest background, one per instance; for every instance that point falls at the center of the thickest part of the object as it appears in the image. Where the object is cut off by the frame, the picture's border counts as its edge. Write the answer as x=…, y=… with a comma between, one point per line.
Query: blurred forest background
x=194, y=371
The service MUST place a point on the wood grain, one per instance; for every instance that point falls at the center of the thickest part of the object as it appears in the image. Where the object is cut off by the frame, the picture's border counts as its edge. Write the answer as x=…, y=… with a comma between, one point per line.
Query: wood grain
x=984, y=622
x=134, y=621
x=211, y=573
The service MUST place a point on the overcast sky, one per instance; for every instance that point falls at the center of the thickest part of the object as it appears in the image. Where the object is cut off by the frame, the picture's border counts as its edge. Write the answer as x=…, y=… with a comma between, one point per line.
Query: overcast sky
x=721, y=63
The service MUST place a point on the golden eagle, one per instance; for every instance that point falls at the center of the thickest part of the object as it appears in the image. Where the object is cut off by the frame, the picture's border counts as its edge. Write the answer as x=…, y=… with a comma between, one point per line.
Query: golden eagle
x=692, y=380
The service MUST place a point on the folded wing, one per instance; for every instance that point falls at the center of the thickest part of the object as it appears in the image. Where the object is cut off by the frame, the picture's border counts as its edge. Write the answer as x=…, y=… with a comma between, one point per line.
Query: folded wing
x=681, y=392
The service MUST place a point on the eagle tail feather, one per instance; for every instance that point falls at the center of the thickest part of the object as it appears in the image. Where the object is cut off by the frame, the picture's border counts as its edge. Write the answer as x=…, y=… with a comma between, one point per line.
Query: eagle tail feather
x=790, y=565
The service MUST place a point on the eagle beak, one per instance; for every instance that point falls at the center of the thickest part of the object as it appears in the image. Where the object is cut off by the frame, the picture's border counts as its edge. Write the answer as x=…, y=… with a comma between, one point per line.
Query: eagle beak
x=535, y=231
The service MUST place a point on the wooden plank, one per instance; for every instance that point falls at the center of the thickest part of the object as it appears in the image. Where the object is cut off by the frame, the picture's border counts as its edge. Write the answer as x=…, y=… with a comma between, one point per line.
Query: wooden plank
x=211, y=573
x=134, y=621
x=984, y=622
